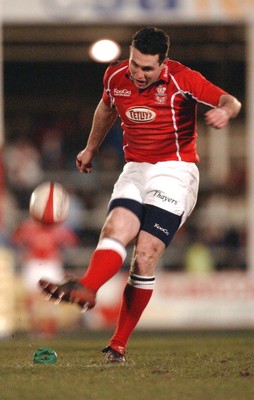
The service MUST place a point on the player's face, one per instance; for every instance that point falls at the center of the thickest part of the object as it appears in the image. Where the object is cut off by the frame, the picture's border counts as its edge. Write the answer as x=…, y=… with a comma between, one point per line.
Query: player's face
x=144, y=68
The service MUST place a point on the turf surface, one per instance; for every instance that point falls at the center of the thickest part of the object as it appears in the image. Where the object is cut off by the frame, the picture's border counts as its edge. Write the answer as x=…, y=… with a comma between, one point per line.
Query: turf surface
x=168, y=366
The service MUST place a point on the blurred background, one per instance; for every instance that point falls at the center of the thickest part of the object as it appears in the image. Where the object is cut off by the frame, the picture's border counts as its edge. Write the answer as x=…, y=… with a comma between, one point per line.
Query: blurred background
x=50, y=86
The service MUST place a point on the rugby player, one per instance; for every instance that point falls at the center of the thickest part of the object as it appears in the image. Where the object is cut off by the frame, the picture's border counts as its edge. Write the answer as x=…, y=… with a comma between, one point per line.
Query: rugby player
x=156, y=99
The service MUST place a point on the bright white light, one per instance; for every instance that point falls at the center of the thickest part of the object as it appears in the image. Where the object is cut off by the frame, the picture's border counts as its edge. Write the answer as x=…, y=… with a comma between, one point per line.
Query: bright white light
x=104, y=50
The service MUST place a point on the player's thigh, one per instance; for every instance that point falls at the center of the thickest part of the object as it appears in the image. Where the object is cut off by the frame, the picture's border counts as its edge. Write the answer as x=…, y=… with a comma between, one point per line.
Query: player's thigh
x=160, y=223
x=158, y=227
x=125, y=207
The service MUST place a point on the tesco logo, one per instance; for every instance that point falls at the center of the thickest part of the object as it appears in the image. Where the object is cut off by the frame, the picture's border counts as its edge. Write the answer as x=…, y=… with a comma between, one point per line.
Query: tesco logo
x=140, y=114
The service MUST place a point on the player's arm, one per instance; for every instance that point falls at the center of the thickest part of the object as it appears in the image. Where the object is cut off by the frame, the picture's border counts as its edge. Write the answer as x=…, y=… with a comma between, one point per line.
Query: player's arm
x=104, y=118
x=228, y=107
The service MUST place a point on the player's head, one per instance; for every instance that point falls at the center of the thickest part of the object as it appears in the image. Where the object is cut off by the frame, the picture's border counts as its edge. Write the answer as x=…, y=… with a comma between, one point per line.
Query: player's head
x=152, y=41
x=148, y=54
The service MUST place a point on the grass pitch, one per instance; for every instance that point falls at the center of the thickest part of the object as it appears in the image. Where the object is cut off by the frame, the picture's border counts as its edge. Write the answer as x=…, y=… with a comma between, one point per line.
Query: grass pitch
x=168, y=366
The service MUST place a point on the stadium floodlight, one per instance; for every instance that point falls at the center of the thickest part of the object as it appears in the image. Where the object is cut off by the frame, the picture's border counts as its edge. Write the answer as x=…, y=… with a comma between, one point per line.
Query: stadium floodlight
x=104, y=50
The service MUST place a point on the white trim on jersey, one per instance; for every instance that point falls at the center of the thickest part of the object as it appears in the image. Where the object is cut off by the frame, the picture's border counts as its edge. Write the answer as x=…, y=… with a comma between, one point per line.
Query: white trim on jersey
x=184, y=92
x=175, y=124
x=178, y=87
x=200, y=101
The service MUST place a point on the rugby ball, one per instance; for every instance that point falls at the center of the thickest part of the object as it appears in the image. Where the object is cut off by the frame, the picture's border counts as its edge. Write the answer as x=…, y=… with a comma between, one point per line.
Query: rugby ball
x=49, y=203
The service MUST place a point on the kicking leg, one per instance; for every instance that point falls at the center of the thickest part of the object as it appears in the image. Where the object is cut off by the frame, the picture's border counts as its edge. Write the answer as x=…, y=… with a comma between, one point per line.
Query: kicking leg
x=121, y=226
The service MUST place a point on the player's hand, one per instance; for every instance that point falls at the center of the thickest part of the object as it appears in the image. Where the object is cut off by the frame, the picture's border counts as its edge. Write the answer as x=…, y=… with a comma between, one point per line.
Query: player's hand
x=217, y=118
x=84, y=161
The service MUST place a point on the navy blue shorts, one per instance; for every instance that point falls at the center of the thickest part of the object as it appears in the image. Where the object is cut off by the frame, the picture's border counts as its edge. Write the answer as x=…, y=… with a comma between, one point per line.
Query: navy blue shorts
x=154, y=220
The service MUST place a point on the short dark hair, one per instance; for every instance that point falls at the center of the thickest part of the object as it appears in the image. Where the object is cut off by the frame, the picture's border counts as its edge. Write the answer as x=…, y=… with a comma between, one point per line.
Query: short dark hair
x=152, y=41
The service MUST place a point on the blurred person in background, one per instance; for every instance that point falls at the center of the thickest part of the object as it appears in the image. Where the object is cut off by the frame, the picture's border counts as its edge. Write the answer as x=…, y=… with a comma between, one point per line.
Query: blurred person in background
x=40, y=249
x=156, y=99
x=23, y=169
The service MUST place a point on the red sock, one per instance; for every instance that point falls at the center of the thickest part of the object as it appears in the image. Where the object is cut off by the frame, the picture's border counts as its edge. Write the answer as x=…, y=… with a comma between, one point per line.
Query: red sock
x=136, y=296
x=106, y=261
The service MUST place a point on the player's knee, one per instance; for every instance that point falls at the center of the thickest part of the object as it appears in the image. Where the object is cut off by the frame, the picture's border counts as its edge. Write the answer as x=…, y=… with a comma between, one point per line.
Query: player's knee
x=143, y=263
x=107, y=229
x=145, y=259
x=122, y=225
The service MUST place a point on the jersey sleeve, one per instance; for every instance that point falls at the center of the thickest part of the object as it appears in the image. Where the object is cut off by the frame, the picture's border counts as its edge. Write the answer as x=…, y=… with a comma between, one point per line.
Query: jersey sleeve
x=193, y=84
x=106, y=94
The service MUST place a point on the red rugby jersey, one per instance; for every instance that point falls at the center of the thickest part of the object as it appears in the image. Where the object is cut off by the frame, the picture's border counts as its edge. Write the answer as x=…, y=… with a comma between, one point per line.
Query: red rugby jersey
x=159, y=122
